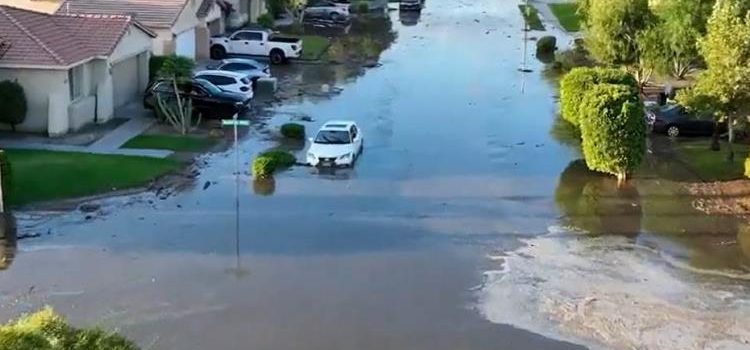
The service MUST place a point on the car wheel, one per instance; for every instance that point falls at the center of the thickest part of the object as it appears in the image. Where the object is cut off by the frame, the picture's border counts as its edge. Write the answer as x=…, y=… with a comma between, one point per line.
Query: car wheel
x=218, y=52
x=673, y=131
x=277, y=57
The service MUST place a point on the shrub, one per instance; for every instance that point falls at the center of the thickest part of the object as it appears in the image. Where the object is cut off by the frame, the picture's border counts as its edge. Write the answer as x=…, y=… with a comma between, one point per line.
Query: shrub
x=177, y=67
x=363, y=7
x=613, y=129
x=12, y=103
x=275, y=7
x=154, y=65
x=293, y=131
x=45, y=330
x=747, y=167
x=266, y=163
x=6, y=173
x=266, y=20
x=578, y=81
x=546, y=45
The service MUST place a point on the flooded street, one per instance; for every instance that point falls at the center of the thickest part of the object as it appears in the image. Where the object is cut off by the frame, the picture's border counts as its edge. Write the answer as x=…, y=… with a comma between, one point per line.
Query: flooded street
x=467, y=224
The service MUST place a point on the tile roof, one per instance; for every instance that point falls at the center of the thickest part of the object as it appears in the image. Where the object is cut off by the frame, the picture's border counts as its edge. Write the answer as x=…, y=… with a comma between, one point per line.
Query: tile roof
x=39, y=39
x=152, y=13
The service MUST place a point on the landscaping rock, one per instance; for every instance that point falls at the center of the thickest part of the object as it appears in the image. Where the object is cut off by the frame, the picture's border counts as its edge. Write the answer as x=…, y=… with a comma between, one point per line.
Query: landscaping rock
x=89, y=207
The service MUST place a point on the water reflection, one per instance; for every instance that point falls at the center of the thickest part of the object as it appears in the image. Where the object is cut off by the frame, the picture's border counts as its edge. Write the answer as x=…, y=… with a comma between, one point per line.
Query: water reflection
x=7, y=240
x=594, y=202
x=409, y=18
x=264, y=187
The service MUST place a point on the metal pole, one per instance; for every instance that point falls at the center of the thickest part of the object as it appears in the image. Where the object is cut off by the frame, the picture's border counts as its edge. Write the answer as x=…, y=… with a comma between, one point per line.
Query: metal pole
x=236, y=195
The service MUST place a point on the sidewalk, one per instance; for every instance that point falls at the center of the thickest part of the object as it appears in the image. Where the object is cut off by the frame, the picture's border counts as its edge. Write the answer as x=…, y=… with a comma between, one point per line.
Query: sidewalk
x=109, y=144
x=551, y=23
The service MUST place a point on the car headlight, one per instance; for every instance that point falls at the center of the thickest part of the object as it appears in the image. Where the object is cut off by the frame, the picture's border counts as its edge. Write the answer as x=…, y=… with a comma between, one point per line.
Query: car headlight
x=346, y=156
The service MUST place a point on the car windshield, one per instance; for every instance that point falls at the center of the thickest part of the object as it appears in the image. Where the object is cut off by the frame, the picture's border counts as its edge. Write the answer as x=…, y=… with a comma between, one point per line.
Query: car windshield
x=212, y=89
x=333, y=137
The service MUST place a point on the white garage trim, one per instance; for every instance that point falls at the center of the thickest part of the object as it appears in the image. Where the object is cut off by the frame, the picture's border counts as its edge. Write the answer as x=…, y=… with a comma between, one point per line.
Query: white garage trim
x=185, y=44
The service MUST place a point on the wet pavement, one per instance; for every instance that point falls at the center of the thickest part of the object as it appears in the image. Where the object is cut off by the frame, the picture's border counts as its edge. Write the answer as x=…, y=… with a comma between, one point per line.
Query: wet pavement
x=468, y=223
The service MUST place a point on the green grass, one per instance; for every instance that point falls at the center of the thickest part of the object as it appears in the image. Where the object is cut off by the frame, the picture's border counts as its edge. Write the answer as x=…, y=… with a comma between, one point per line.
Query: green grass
x=314, y=46
x=567, y=14
x=177, y=143
x=48, y=175
x=531, y=16
x=711, y=165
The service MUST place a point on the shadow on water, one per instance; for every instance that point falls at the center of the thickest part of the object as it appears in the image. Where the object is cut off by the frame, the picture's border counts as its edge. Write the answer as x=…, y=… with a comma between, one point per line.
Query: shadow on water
x=7, y=240
x=594, y=202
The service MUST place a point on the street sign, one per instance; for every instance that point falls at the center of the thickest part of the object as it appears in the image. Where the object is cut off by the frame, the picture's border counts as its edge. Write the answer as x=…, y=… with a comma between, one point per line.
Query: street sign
x=233, y=122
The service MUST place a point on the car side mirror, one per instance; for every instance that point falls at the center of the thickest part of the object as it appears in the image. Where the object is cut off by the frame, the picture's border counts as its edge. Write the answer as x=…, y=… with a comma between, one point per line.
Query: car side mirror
x=310, y=139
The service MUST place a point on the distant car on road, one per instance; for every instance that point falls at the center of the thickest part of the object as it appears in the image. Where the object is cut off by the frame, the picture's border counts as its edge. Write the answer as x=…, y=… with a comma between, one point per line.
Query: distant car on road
x=208, y=100
x=261, y=43
x=228, y=81
x=337, y=144
x=251, y=68
x=324, y=9
x=410, y=5
x=674, y=121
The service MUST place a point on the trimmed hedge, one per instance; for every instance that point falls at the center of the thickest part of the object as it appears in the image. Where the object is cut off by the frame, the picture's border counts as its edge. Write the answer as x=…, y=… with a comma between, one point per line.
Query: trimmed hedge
x=266, y=163
x=363, y=7
x=613, y=129
x=12, y=103
x=293, y=131
x=6, y=173
x=546, y=45
x=45, y=330
x=747, y=167
x=580, y=80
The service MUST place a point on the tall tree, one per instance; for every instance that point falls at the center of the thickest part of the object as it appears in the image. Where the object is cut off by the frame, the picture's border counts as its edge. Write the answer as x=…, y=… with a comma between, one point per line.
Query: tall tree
x=680, y=24
x=724, y=87
x=612, y=29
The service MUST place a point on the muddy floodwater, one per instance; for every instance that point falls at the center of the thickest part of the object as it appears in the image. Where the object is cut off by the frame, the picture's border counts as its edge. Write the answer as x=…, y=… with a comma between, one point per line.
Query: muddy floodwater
x=468, y=223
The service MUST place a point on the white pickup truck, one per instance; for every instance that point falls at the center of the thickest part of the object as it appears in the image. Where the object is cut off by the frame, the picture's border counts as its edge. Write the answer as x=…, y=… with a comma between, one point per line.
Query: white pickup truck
x=256, y=43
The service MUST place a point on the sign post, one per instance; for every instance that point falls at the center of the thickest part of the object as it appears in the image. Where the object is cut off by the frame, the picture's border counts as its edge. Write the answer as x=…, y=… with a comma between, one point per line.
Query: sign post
x=235, y=122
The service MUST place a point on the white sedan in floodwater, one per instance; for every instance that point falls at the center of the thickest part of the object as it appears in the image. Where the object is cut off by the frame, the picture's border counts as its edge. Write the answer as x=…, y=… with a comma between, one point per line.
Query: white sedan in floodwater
x=337, y=144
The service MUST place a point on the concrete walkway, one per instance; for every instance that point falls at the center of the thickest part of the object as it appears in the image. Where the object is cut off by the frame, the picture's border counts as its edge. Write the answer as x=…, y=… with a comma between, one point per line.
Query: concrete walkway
x=552, y=25
x=109, y=144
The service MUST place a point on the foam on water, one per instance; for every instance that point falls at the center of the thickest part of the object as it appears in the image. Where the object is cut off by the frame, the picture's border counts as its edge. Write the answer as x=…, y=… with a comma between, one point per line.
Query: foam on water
x=607, y=292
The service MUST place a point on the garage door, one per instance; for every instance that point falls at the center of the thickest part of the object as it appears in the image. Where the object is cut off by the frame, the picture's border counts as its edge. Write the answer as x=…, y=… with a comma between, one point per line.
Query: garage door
x=125, y=81
x=185, y=44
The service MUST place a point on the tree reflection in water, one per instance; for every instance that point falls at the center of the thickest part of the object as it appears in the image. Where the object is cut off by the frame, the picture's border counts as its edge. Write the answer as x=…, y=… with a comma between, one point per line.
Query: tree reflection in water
x=593, y=202
x=7, y=240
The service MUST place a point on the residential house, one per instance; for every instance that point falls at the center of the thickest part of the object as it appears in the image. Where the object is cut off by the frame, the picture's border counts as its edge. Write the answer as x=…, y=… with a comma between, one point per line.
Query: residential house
x=75, y=69
x=244, y=11
x=46, y=6
x=182, y=27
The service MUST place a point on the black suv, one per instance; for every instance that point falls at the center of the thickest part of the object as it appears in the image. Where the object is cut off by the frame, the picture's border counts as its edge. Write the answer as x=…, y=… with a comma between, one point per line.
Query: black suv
x=208, y=100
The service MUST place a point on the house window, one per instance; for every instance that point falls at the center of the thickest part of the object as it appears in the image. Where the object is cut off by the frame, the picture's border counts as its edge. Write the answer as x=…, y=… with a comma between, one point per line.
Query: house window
x=75, y=82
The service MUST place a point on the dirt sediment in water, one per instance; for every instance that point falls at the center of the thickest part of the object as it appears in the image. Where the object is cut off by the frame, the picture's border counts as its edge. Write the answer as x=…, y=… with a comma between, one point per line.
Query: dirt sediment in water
x=721, y=198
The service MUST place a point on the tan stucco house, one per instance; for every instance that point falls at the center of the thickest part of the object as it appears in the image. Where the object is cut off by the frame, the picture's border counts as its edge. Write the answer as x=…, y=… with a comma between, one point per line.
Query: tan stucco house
x=75, y=69
x=182, y=27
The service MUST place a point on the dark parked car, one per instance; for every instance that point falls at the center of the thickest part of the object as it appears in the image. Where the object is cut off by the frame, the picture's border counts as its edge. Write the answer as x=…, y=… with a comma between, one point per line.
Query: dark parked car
x=674, y=121
x=208, y=100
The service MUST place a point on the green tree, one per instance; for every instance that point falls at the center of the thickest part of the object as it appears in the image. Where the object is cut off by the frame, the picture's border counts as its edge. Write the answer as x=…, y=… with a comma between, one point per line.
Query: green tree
x=176, y=110
x=578, y=81
x=724, y=87
x=612, y=29
x=680, y=24
x=12, y=103
x=613, y=130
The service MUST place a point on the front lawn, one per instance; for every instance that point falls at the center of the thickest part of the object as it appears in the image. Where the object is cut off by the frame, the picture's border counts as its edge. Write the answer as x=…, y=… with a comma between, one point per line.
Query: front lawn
x=567, y=15
x=49, y=175
x=177, y=143
x=531, y=16
x=712, y=165
x=314, y=46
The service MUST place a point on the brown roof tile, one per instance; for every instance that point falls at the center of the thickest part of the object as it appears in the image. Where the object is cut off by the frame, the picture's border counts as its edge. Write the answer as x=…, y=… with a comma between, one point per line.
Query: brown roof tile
x=152, y=13
x=40, y=39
